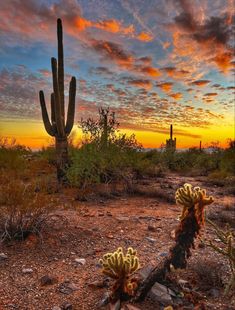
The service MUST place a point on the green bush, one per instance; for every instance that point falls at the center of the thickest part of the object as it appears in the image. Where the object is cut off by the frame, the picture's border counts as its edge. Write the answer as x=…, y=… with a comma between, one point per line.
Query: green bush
x=12, y=155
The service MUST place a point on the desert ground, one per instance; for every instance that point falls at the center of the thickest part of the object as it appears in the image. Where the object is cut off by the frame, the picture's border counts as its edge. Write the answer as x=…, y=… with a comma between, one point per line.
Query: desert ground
x=59, y=268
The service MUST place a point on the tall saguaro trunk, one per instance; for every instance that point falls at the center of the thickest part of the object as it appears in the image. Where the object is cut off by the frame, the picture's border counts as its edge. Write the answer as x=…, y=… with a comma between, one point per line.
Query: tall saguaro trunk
x=57, y=126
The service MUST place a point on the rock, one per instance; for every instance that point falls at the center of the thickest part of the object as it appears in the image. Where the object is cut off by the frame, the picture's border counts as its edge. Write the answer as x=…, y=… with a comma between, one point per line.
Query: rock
x=67, y=306
x=3, y=256
x=152, y=227
x=214, y=292
x=104, y=301
x=67, y=287
x=27, y=270
x=163, y=254
x=56, y=308
x=110, y=236
x=173, y=234
x=99, y=284
x=130, y=307
x=182, y=282
x=47, y=280
x=116, y=306
x=80, y=261
x=152, y=240
x=122, y=218
x=161, y=294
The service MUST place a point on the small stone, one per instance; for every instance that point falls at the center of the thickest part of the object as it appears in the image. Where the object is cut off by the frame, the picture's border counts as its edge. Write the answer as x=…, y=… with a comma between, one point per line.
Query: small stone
x=110, y=236
x=47, y=280
x=56, y=308
x=27, y=270
x=173, y=234
x=100, y=214
x=182, y=282
x=67, y=306
x=122, y=218
x=152, y=227
x=3, y=256
x=152, y=240
x=67, y=287
x=80, y=261
x=214, y=292
x=163, y=254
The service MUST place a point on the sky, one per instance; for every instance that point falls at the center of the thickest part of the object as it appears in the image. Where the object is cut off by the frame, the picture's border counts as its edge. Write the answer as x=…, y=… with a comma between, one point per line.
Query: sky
x=153, y=62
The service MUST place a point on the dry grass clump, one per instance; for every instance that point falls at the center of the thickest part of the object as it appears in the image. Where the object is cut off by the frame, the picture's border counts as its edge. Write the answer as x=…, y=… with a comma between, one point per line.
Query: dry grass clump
x=209, y=273
x=22, y=210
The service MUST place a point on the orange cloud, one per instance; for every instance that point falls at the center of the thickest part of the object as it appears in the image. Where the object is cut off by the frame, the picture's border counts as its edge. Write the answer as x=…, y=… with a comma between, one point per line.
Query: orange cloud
x=144, y=36
x=114, y=26
x=210, y=94
x=166, y=86
x=200, y=82
x=176, y=96
x=224, y=60
x=151, y=71
x=82, y=23
x=146, y=84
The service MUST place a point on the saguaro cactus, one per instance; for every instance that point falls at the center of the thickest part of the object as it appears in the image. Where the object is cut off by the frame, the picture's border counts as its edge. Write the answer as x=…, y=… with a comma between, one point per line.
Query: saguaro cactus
x=58, y=127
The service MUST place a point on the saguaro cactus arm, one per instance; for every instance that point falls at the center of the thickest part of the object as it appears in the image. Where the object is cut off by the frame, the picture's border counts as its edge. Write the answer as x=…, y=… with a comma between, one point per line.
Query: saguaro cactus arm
x=49, y=128
x=71, y=106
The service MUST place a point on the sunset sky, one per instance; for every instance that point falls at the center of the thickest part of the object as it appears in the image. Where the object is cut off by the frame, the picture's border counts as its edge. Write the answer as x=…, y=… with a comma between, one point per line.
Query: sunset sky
x=154, y=62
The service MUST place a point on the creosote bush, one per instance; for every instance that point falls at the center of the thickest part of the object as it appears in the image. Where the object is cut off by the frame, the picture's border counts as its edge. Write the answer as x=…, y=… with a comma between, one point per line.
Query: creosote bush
x=22, y=210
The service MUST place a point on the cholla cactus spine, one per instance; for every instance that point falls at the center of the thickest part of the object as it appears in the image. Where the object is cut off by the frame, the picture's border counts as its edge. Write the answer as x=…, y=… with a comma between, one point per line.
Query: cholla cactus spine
x=190, y=197
x=120, y=267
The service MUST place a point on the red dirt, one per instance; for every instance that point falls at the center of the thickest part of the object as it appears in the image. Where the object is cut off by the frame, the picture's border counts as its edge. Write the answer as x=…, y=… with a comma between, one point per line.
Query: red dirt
x=89, y=230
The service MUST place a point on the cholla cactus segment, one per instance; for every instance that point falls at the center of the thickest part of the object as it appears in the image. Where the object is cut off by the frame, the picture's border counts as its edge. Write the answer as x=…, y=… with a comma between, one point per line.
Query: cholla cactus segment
x=120, y=267
x=190, y=197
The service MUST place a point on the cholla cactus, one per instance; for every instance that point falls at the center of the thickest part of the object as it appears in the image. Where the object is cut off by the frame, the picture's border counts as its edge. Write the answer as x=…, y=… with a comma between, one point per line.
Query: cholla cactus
x=120, y=267
x=190, y=197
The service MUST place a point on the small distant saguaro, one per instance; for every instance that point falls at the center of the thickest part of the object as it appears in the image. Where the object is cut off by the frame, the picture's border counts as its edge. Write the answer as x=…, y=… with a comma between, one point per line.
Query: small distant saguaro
x=58, y=126
x=171, y=143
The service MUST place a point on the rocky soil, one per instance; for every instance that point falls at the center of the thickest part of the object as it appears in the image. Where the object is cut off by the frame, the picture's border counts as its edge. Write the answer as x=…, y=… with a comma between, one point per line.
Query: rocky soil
x=60, y=268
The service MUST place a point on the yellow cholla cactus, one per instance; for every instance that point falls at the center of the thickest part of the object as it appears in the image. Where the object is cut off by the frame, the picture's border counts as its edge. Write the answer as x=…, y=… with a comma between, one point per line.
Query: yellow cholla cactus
x=120, y=267
x=190, y=197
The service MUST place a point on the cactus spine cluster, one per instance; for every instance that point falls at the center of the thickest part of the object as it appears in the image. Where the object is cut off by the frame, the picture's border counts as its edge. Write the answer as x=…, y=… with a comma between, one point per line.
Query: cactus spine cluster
x=120, y=267
x=58, y=127
x=190, y=197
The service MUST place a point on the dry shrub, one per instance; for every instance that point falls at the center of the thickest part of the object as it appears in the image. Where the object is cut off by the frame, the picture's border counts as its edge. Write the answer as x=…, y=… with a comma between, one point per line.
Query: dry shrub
x=157, y=193
x=23, y=211
x=209, y=273
x=225, y=216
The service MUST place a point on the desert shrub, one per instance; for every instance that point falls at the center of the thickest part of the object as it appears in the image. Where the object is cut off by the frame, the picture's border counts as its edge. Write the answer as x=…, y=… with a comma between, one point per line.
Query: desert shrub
x=23, y=210
x=228, y=160
x=48, y=154
x=226, y=237
x=12, y=155
x=91, y=164
x=106, y=155
x=209, y=273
